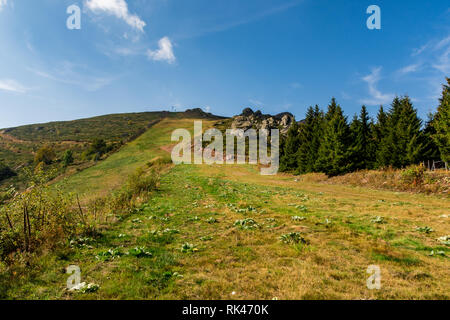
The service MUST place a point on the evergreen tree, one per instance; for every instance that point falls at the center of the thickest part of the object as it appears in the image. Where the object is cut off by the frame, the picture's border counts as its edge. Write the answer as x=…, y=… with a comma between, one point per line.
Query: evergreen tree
x=410, y=133
x=441, y=123
x=334, y=152
x=309, y=140
x=288, y=161
x=362, y=148
x=430, y=148
x=67, y=159
x=380, y=132
x=403, y=143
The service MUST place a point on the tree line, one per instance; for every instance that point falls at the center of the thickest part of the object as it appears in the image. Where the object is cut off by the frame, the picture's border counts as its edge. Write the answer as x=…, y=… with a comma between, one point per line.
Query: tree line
x=327, y=142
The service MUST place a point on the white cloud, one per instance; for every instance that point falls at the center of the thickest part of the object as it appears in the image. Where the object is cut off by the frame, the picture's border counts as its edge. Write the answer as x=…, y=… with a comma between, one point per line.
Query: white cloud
x=256, y=102
x=3, y=3
x=409, y=69
x=164, y=52
x=118, y=8
x=77, y=75
x=443, y=62
x=11, y=86
x=376, y=96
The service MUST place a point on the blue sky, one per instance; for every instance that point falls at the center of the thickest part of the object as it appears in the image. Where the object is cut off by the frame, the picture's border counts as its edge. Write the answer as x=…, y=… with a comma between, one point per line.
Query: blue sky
x=147, y=55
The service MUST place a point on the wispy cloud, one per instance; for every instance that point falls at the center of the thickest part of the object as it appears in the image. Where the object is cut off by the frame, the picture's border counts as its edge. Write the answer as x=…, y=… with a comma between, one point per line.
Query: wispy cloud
x=117, y=8
x=12, y=86
x=435, y=59
x=296, y=85
x=235, y=22
x=256, y=102
x=3, y=3
x=376, y=96
x=409, y=69
x=67, y=73
x=164, y=52
x=443, y=62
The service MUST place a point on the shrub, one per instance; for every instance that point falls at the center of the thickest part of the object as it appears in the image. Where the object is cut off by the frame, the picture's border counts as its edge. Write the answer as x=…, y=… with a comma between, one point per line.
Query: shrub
x=414, y=175
x=45, y=155
x=6, y=172
x=140, y=182
x=36, y=217
x=67, y=159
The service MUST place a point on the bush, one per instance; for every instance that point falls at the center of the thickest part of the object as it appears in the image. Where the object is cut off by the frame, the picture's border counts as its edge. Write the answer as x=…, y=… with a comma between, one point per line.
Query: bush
x=414, y=175
x=6, y=172
x=45, y=155
x=140, y=182
x=37, y=216
x=67, y=159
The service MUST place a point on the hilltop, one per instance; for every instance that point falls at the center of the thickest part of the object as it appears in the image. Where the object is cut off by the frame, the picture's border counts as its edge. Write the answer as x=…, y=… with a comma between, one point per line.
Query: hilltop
x=19, y=145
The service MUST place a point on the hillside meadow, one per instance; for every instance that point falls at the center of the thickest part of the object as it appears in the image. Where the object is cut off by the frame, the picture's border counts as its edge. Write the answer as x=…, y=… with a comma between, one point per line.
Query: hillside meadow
x=226, y=232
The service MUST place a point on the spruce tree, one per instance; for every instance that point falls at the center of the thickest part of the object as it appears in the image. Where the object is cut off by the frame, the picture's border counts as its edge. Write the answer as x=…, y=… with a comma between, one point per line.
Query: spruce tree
x=403, y=143
x=380, y=131
x=441, y=123
x=411, y=135
x=309, y=139
x=430, y=148
x=362, y=147
x=288, y=161
x=334, y=152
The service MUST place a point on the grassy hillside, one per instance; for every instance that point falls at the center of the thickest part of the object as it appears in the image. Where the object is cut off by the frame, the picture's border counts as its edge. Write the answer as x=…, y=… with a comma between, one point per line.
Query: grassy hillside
x=226, y=232
x=19, y=145
x=112, y=172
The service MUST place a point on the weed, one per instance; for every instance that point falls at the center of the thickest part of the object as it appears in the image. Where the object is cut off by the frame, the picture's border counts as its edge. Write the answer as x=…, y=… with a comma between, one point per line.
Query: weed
x=212, y=220
x=188, y=248
x=109, y=255
x=425, y=229
x=139, y=252
x=378, y=219
x=246, y=224
x=293, y=238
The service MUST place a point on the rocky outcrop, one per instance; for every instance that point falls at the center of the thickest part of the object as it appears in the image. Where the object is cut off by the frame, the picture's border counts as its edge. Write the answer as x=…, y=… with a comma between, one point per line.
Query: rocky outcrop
x=256, y=120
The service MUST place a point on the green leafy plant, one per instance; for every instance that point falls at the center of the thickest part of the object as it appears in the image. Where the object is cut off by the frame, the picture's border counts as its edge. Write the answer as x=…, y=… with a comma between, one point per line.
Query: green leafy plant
x=139, y=252
x=444, y=240
x=212, y=220
x=109, y=255
x=246, y=224
x=378, y=219
x=293, y=238
x=425, y=229
x=188, y=248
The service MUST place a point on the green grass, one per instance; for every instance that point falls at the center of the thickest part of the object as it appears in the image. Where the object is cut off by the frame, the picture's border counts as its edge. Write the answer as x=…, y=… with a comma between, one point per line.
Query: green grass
x=342, y=237
x=18, y=145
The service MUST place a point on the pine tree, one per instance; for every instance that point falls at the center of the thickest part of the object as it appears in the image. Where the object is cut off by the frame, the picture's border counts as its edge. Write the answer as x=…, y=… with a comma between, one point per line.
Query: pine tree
x=411, y=135
x=430, y=148
x=334, y=152
x=362, y=147
x=380, y=132
x=288, y=161
x=403, y=143
x=441, y=123
x=309, y=139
